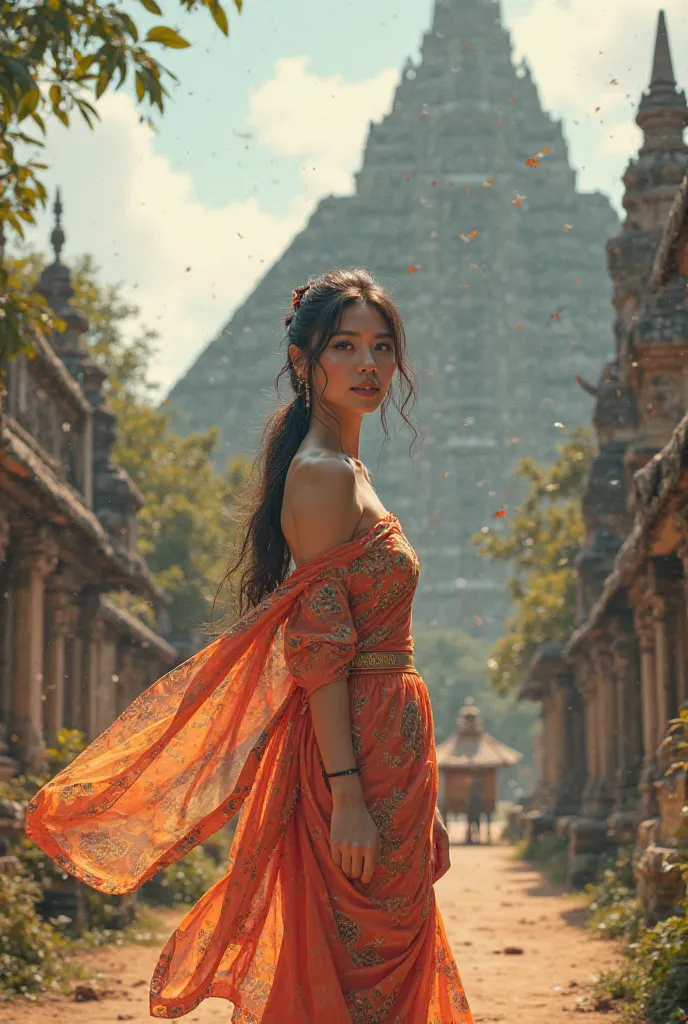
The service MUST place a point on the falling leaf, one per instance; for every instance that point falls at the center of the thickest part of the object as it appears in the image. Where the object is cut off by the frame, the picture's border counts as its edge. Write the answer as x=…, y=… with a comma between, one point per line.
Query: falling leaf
x=613, y=82
x=532, y=162
x=411, y=270
x=556, y=316
x=499, y=515
x=473, y=234
x=512, y=99
x=576, y=280
x=545, y=149
x=465, y=287
x=519, y=324
x=445, y=475
x=432, y=373
x=568, y=227
x=488, y=182
x=408, y=177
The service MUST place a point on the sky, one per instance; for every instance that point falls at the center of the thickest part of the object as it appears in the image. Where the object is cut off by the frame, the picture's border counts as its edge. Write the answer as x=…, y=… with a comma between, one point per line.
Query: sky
x=262, y=125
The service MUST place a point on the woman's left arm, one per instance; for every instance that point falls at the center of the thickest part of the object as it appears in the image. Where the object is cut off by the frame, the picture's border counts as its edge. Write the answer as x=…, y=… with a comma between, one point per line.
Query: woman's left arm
x=440, y=847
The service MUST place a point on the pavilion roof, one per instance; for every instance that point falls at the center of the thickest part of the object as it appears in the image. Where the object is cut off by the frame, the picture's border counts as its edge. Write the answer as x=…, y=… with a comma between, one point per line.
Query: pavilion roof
x=471, y=747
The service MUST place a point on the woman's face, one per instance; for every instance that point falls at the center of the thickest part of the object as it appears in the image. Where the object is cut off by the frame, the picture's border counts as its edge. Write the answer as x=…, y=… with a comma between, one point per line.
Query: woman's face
x=357, y=366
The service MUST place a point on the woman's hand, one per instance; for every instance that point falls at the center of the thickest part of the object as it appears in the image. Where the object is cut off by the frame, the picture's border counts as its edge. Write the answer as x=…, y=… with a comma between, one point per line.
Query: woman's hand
x=440, y=847
x=354, y=838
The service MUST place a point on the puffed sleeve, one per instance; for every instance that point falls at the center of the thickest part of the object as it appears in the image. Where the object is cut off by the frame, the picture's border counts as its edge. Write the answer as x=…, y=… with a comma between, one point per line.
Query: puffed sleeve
x=320, y=636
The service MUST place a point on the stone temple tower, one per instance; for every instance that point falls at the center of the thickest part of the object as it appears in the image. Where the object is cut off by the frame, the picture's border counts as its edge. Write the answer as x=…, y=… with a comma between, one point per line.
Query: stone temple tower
x=642, y=393
x=466, y=208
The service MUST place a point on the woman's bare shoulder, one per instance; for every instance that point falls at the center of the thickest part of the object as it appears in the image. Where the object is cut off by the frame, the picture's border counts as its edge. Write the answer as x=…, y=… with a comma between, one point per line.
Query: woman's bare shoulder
x=320, y=509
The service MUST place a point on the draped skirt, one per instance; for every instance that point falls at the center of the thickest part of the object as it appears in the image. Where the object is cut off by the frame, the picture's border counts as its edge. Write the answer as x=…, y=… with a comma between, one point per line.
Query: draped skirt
x=315, y=946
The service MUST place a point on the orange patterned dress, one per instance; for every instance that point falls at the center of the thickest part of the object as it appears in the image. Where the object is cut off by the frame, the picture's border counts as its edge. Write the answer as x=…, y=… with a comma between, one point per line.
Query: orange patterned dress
x=284, y=935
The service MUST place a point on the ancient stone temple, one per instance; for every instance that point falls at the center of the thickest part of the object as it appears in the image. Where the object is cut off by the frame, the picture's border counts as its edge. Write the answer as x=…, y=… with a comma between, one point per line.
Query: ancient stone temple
x=466, y=207
x=626, y=663
x=70, y=656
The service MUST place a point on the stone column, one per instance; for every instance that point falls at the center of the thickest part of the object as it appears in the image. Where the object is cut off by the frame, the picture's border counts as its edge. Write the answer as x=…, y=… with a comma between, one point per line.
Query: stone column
x=107, y=682
x=60, y=620
x=90, y=631
x=575, y=746
x=36, y=557
x=126, y=671
x=681, y=525
x=4, y=535
x=623, y=821
x=605, y=710
x=587, y=686
x=662, y=667
x=645, y=631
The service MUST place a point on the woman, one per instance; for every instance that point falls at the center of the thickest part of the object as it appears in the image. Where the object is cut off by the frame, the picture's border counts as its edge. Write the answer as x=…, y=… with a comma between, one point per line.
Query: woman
x=308, y=715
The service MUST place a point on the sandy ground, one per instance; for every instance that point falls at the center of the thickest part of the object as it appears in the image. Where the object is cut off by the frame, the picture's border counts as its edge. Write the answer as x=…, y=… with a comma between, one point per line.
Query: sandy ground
x=489, y=902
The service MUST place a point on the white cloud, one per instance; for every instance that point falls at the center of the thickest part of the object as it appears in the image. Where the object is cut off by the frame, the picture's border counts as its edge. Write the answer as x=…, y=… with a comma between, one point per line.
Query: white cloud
x=323, y=120
x=188, y=265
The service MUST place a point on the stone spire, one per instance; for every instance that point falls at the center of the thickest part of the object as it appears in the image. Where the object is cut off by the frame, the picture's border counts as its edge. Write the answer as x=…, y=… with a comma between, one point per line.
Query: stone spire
x=55, y=284
x=636, y=407
x=661, y=163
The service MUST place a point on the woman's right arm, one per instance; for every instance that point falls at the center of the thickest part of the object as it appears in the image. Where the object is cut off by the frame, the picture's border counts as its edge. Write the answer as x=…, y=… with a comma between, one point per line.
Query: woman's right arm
x=323, y=510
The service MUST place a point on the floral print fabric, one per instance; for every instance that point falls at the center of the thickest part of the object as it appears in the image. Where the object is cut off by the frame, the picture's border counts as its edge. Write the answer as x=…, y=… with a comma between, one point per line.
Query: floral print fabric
x=284, y=935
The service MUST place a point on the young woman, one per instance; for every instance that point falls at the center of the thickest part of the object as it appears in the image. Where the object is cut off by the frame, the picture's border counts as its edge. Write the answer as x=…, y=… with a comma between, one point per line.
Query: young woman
x=308, y=714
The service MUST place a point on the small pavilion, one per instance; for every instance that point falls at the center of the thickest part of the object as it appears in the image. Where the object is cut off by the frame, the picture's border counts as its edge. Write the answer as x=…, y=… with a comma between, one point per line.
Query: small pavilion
x=468, y=762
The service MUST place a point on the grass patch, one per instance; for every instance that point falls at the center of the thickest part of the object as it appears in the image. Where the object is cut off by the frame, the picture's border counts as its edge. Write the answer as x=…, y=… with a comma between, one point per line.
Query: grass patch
x=548, y=853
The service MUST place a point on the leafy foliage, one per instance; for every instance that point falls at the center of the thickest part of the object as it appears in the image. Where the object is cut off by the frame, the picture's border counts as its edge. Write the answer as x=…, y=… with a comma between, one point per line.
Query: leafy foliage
x=30, y=949
x=615, y=912
x=56, y=58
x=542, y=541
x=549, y=853
x=184, y=882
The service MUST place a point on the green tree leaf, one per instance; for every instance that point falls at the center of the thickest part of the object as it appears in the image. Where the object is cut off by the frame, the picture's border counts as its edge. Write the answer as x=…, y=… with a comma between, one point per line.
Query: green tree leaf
x=167, y=37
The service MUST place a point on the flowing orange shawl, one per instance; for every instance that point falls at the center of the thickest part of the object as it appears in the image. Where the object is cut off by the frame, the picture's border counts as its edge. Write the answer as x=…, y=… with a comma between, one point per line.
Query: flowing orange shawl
x=212, y=735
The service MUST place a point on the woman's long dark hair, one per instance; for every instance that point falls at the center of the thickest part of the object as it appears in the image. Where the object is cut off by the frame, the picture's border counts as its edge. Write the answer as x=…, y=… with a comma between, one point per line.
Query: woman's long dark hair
x=263, y=554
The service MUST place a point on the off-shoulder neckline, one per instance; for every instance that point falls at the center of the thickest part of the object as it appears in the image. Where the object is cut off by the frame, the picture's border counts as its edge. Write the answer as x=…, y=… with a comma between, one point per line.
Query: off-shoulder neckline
x=378, y=522
x=382, y=521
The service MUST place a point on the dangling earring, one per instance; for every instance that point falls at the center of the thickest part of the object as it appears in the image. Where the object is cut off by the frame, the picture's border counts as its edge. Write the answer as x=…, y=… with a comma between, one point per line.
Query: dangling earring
x=303, y=383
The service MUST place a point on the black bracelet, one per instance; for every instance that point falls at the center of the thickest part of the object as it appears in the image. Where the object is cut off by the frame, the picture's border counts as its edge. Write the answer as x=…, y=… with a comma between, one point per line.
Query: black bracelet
x=347, y=771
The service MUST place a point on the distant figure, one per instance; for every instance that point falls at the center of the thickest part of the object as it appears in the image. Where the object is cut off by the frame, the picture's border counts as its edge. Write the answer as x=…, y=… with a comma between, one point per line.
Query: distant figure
x=474, y=810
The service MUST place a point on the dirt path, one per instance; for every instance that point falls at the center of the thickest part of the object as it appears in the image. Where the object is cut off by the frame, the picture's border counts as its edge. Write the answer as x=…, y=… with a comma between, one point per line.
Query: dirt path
x=488, y=901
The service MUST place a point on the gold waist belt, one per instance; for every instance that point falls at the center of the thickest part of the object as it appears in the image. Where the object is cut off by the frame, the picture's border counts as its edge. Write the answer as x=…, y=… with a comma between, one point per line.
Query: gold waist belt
x=377, y=661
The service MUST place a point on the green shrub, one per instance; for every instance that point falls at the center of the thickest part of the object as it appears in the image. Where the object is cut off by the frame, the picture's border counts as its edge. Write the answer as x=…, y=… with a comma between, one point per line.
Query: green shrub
x=549, y=853
x=69, y=743
x=615, y=913
x=654, y=980
x=31, y=950
x=183, y=882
